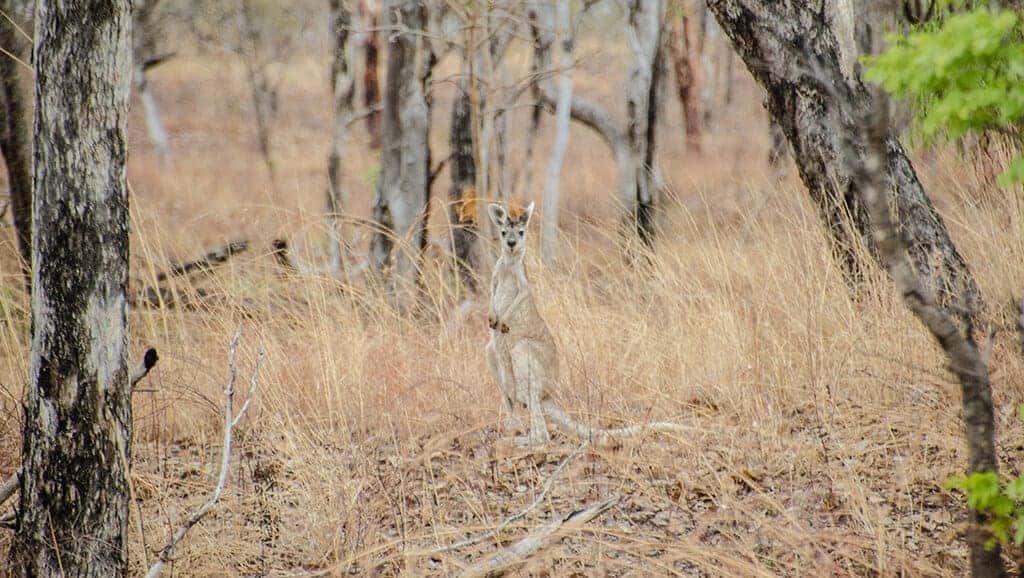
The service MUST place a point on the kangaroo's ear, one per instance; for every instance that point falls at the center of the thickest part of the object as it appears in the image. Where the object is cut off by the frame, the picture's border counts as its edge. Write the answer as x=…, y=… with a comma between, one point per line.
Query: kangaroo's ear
x=527, y=214
x=497, y=213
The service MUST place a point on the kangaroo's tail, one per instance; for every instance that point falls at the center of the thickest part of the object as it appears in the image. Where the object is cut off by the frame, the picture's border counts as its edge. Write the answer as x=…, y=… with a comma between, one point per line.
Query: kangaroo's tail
x=600, y=436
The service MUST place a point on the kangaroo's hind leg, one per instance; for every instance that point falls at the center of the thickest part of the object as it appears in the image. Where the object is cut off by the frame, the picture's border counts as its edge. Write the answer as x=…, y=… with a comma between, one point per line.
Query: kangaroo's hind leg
x=530, y=380
x=501, y=367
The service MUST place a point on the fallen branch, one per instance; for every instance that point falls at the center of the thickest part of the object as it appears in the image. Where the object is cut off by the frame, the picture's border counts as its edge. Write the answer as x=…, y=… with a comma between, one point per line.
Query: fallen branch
x=207, y=262
x=148, y=362
x=230, y=421
x=163, y=296
x=517, y=516
x=538, y=539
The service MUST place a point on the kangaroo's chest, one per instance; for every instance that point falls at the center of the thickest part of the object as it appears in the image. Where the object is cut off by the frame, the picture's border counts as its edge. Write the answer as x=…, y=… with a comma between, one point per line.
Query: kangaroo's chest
x=505, y=290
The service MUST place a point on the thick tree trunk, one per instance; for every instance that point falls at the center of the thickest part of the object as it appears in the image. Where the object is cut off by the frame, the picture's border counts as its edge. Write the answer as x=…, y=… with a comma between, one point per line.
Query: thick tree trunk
x=73, y=514
x=791, y=49
x=16, y=144
x=563, y=105
x=463, y=205
x=343, y=89
x=405, y=152
x=684, y=64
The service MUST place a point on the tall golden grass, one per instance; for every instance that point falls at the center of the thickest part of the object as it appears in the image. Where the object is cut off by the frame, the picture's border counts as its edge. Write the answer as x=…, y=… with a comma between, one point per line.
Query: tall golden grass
x=827, y=424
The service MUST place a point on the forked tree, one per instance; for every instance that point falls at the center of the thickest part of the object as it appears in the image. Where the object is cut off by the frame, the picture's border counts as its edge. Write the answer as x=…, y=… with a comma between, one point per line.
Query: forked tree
x=73, y=511
x=791, y=48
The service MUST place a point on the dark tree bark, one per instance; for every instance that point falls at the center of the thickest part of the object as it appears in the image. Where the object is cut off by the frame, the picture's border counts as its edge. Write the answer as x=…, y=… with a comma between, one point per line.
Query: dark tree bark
x=790, y=48
x=16, y=89
x=462, y=195
x=371, y=84
x=401, y=205
x=682, y=51
x=73, y=513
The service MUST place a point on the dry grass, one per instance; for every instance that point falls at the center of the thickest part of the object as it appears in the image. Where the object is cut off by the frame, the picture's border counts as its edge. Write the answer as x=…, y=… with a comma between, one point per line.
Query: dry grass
x=827, y=425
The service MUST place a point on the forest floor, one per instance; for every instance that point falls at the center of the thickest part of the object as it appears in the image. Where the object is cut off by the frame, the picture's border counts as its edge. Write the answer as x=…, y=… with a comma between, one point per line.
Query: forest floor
x=824, y=427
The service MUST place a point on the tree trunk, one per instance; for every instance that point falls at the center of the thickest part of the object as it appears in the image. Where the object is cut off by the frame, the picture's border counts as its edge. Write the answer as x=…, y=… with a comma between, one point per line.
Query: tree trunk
x=644, y=18
x=16, y=144
x=371, y=84
x=343, y=89
x=463, y=206
x=405, y=153
x=682, y=50
x=563, y=44
x=145, y=57
x=791, y=49
x=73, y=514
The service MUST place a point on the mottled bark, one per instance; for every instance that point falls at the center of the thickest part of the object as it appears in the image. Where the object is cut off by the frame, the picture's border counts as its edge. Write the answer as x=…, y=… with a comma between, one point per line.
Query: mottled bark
x=682, y=52
x=73, y=512
x=343, y=89
x=16, y=143
x=462, y=197
x=791, y=50
x=405, y=164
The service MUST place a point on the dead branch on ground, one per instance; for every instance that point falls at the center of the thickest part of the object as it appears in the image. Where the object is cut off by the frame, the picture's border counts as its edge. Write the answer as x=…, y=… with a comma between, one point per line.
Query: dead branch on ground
x=537, y=540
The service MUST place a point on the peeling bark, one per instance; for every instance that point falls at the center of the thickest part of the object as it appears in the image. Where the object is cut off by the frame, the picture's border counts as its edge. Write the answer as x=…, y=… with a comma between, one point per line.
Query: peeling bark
x=73, y=511
x=371, y=82
x=791, y=50
x=682, y=51
x=16, y=89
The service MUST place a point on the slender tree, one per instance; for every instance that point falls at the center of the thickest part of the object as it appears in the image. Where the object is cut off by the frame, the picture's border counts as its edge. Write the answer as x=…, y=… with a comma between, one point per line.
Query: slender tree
x=16, y=129
x=563, y=105
x=371, y=56
x=463, y=208
x=682, y=51
x=73, y=511
x=791, y=49
x=343, y=89
x=145, y=33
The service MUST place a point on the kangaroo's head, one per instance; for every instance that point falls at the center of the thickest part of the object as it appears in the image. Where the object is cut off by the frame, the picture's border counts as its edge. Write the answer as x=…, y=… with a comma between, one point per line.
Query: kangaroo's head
x=511, y=228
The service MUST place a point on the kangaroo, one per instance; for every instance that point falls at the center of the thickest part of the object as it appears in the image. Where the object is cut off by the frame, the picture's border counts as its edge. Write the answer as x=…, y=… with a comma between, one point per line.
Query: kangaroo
x=521, y=352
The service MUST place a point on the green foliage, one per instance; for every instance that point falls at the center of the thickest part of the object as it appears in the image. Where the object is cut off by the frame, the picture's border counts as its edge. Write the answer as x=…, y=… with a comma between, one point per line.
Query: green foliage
x=1002, y=502
x=965, y=74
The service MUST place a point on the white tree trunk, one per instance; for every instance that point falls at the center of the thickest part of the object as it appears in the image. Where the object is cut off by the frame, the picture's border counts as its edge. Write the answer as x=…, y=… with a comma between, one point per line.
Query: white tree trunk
x=151, y=110
x=563, y=64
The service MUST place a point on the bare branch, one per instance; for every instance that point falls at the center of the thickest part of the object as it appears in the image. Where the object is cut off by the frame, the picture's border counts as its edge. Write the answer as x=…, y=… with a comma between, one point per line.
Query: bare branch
x=230, y=421
x=536, y=540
